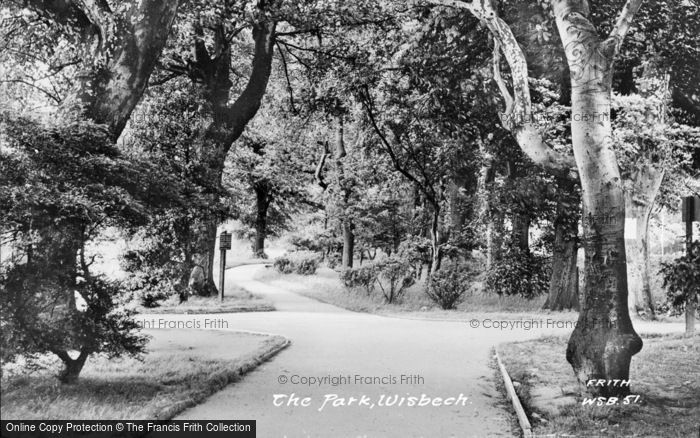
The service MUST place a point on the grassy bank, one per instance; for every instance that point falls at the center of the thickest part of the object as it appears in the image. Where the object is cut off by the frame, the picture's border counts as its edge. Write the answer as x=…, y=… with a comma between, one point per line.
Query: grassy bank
x=181, y=369
x=326, y=287
x=236, y=300
x=664, y=374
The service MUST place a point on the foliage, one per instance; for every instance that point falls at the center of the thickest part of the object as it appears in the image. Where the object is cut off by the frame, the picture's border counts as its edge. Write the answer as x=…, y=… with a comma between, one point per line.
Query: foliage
x=364, y=277
x=59, y=185
x=447, y=286
x=681, y=278
x=394, y=275
x=519, y=273
x=299, y=262
x=164, y=130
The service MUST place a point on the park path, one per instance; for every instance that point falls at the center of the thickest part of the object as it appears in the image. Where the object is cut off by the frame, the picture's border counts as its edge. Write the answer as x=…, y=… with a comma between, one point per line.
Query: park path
x=450, y=357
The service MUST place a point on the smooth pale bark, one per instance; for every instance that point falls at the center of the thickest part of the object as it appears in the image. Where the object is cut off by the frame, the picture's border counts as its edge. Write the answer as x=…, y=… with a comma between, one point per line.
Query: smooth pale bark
x=226, y=124
x=639, y=202
x=126, y=52
x=604, y=341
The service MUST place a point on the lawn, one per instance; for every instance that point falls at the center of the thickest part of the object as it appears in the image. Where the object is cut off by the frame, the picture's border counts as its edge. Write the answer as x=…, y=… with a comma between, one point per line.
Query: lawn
x=181, y=369
x=326, y=287
x=664, y=374
x=236, y=300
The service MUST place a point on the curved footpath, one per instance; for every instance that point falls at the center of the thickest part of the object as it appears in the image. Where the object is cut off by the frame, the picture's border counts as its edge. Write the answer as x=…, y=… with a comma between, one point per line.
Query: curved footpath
x=450, y=357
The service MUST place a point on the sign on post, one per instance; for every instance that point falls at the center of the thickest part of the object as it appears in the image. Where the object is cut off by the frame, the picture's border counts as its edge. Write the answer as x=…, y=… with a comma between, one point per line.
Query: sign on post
x=691, y=213
x=691, y=209
x=224, y=244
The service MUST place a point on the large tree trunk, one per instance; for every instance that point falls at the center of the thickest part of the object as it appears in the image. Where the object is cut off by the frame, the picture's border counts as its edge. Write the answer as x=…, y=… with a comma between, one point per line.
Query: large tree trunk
x=227, y=122
x=126, y=52
x=563, y=286
x=639, y=201
x=263, y=198
x=71, y=367
x=604, y=341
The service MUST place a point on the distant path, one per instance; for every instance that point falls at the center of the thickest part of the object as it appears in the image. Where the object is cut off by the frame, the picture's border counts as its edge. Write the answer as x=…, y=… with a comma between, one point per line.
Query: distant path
x=451, y=357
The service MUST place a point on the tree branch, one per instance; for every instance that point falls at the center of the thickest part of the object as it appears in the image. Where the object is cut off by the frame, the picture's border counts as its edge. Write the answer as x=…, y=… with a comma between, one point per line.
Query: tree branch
x=248, y=103
x=366, y=102
x=290, y=90
x=622, y=26
x=520, y=120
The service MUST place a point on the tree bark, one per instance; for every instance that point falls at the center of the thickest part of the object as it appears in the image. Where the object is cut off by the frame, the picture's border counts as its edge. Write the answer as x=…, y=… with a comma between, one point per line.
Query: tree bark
x=639, y=202
x=211, y=73
x=71, y=367
x=604, y=341
x=126, y=53
x=435, y=242
x=348, y=243
x=521, y=232
x=563, y=286
x=347, y=226
x=263, y=198
x=494, y=237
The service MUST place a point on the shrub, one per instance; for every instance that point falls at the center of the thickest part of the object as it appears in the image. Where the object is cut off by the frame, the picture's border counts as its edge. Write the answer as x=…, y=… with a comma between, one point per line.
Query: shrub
x=306, y=265
x=283, y=264
x=447, y=286
x=680, y=278
x=394, y=276
x=300, y=262
x=519, y=273
x=364, y=277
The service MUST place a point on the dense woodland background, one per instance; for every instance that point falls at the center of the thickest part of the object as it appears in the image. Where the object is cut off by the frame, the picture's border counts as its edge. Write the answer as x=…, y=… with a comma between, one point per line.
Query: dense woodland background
x=403, y=144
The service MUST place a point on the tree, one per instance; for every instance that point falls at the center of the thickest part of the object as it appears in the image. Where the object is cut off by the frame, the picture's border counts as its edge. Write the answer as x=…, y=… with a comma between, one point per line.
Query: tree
x=652, y=148
x=604, y=340
x=269, y=172
x=682, y=281
x=72, y=179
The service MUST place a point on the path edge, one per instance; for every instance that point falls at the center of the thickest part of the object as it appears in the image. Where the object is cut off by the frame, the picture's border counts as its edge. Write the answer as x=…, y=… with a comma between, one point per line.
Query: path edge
x=178, y=408
x=525, y=426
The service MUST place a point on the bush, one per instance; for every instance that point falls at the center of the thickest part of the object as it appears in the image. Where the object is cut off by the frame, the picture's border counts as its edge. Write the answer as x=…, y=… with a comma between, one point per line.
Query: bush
x=394, y=276
x=447, y=286
x=364, y=277
x=519, y=273
x=680, y=278
x=283, y=264
x=306, y=266
x=300, y=262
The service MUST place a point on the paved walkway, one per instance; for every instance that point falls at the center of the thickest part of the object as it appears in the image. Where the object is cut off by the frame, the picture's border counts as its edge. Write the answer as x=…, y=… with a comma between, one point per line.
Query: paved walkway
x=449, y=357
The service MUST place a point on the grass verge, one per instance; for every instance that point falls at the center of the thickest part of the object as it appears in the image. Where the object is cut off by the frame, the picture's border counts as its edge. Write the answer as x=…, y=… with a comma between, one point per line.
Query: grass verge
x=326, y=287
x=180, y=370
x=236, y=300
x=664, y=374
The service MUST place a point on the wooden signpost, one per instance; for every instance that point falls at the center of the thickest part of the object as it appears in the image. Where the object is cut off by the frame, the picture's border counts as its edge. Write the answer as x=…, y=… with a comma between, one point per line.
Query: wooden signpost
x=691, y=213
x=224, y=244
